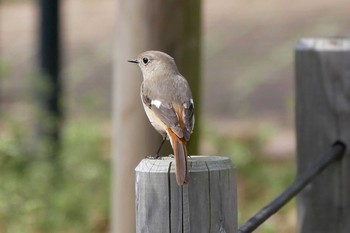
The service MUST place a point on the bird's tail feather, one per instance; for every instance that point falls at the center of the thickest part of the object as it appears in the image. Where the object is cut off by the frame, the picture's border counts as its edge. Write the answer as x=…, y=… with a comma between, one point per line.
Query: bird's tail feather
x=180, y=154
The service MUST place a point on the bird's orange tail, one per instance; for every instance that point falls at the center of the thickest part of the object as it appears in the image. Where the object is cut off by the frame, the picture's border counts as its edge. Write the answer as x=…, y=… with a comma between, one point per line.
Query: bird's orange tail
x=180, y=153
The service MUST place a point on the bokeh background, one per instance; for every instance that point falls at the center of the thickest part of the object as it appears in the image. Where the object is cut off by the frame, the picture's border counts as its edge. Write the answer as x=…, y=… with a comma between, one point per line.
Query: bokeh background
x=247, y=106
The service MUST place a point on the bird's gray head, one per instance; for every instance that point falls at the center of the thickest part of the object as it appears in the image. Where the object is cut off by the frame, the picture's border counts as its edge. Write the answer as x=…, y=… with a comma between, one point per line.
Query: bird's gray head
x=155, y=63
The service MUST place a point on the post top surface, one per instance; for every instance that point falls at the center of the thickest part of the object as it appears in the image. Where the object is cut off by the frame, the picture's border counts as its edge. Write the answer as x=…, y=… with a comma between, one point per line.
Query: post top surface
x=196, y=162
x=324, y=44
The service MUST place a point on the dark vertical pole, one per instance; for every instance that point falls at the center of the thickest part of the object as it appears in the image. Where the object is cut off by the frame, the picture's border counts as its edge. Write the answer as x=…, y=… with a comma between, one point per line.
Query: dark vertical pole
x=50, y=85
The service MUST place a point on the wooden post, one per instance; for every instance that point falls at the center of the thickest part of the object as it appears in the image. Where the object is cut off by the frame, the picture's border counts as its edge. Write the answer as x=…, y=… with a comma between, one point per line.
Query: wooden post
x=206, y=204
x=169, y=26
x=322, y=117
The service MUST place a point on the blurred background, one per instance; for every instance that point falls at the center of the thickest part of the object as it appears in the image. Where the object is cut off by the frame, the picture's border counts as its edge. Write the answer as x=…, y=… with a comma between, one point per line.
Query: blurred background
x=247, y=107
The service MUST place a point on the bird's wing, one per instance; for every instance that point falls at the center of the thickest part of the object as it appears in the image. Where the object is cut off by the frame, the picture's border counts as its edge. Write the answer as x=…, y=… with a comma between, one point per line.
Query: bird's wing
x=188, y=118
x=176, y=111
x=166, y=113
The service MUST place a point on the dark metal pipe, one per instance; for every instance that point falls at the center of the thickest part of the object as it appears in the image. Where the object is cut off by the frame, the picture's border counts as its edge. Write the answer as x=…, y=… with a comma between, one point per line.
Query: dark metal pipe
x=335, y=152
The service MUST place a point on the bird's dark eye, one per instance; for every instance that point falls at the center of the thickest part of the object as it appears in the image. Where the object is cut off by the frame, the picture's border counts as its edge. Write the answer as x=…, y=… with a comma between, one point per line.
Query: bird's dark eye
x=145, y=60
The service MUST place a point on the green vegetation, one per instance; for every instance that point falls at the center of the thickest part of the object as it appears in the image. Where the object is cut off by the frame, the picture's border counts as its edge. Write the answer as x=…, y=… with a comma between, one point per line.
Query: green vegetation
x=260, y=179
x=69, y=195
x=72, y=195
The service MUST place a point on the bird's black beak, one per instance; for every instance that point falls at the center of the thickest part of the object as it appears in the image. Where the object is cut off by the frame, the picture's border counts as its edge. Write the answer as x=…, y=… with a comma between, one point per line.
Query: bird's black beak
x=133, y=60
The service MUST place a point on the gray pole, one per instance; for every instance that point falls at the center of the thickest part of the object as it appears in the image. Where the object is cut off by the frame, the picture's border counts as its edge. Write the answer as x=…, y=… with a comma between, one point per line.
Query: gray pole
x=172, y=27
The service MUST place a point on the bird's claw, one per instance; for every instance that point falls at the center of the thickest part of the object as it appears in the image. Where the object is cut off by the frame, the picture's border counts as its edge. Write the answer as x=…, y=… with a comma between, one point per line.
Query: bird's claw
x=153, y=157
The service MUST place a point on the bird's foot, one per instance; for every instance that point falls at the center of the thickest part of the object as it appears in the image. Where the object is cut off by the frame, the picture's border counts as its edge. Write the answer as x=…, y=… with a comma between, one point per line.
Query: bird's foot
x=153, y=156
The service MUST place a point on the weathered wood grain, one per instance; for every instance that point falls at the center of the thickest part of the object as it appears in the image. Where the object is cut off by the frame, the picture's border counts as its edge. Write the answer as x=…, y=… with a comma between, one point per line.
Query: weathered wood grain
x=322, y=117
x=206, y=204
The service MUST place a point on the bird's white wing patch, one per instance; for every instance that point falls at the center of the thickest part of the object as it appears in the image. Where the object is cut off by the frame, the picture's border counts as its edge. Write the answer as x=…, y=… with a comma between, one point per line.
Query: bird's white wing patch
x=156, y=103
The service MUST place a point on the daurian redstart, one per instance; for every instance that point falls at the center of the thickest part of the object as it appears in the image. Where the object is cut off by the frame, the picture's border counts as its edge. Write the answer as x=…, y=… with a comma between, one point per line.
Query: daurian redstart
x=168, y=103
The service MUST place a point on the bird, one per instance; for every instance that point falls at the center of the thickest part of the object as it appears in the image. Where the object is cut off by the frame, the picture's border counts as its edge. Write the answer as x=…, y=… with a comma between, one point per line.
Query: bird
x=167, y=100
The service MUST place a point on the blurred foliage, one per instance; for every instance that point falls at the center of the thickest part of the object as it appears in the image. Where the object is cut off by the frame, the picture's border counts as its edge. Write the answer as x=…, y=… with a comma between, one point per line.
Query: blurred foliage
x=247, y=72
x=37, y=195
x=4, y=70
x=260, y=179
x=69, y=195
